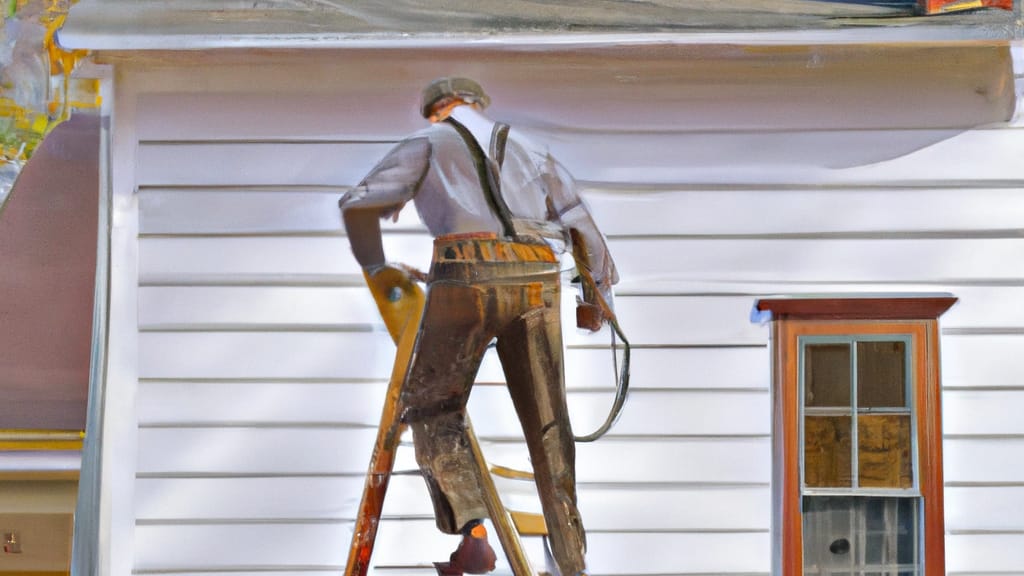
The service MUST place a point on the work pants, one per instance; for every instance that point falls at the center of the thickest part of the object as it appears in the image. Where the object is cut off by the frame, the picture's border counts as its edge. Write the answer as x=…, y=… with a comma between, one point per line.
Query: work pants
x=483, y=289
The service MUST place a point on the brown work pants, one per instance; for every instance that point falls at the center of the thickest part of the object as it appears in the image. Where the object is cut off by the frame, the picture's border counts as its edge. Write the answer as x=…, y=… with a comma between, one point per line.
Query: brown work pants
x=481, y=290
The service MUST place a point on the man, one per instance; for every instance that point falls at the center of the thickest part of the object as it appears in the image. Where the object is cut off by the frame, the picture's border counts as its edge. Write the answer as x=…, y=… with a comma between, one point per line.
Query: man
x=500, y=214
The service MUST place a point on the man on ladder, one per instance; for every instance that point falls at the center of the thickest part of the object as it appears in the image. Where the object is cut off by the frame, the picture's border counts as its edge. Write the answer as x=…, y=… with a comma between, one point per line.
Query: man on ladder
x=500, y=213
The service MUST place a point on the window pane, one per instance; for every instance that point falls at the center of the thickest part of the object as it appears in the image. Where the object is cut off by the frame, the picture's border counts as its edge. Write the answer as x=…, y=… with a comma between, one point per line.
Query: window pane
x=860, y=535
x=827, y=375
x=827, y=451
x=883, y=455
x=881, y=375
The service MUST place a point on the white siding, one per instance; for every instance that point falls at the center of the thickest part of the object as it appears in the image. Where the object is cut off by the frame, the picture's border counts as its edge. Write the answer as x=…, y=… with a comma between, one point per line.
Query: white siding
x=261, y=361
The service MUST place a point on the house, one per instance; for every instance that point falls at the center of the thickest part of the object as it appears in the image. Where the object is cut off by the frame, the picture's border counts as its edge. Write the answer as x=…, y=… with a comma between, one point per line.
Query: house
x=48, y=258
x=727, y=163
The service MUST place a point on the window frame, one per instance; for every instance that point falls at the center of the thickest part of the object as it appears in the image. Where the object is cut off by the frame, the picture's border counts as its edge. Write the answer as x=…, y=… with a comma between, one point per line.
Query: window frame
x=911, y=410
x=913, y=316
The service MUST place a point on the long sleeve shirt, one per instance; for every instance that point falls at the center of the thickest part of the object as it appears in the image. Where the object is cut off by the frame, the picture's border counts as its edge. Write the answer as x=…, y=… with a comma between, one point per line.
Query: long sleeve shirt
x=435, y=170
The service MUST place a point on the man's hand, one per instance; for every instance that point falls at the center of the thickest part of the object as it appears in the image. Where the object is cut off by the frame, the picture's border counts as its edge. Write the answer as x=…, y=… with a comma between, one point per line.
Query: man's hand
x=590, y=316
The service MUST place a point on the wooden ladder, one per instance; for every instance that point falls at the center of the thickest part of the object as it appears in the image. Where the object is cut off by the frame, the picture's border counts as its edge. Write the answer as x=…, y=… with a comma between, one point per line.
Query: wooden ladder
x=401, y=307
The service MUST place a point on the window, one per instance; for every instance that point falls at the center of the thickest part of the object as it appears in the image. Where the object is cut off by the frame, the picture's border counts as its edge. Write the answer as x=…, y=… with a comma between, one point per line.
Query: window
x=857, y=447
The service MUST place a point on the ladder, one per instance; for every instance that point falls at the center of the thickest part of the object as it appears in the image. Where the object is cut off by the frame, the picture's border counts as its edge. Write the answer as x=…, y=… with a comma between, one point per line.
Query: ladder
x=401, y=306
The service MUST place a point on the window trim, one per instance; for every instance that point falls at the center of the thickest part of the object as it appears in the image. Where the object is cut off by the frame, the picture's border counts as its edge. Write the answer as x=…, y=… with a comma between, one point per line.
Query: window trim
x=916, y=316
x=911, y=410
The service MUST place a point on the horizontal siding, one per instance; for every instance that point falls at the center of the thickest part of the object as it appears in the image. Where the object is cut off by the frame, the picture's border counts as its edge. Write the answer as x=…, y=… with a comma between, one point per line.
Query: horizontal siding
x=984, y=461
x=248, y=451
x=984, y=553
x=984, y=508
x=984, y=360
x=272, y=499
x=264, y=355
x=821, y=157
x=968, y=361
x=621, y=210
x=651, y=412
x=680, y=320
x=690, y=317
x=976, y=412
x=673, y=368
x=312, y=499
x=330, y=355
x=316, y=546
x=665, y=265
x=262, y=361
x=212, y=164
x=683, y=317
x=218, y=451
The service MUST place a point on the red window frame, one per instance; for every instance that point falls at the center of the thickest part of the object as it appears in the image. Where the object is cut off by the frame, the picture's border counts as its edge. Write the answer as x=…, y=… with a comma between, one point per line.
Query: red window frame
x=792, y=318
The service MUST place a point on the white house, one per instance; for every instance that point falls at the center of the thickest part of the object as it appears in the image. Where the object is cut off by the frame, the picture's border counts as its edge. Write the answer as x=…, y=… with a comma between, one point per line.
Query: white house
x=245, y=362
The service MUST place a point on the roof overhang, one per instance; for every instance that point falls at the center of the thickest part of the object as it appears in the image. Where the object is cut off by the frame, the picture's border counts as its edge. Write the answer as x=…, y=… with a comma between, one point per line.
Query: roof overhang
x=125, y=25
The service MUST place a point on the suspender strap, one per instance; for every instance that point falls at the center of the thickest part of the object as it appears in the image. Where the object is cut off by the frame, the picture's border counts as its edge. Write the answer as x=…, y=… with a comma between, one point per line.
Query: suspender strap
x=499, y=138
x=489, y=179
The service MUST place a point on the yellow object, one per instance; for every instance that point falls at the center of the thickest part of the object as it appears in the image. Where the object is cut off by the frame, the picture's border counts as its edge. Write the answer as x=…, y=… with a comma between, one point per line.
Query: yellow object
x=963, y=6
x=23, y=125
x=21, y=440
x=511, y=473
x=401, y=302
x=529, y=523
x=398, y=298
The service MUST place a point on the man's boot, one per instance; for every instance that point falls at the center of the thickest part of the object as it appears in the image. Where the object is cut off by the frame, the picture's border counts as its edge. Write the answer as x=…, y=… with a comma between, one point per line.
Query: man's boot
x=473, y=556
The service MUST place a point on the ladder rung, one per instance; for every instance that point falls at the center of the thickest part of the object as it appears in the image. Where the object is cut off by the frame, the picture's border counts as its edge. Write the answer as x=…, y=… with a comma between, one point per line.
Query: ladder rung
x=529, y=523
x=512, y=473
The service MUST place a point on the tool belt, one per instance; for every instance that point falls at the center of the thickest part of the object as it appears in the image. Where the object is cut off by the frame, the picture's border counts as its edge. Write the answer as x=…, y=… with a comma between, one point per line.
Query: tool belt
x=487, y=247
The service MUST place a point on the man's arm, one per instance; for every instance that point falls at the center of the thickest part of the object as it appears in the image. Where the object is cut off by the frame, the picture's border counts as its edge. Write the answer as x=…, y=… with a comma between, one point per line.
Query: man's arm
x=382, y=194
x=589, y=248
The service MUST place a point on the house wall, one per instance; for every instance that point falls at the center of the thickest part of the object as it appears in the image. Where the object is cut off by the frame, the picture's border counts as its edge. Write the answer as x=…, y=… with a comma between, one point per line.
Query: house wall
x=247, y=364
x=40, y=513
